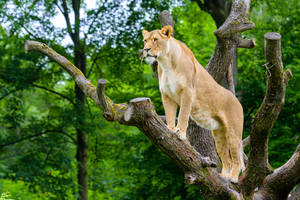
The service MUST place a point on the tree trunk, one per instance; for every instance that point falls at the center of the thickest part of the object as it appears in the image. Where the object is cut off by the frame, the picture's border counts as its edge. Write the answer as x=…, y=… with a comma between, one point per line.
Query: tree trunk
x=82, y=136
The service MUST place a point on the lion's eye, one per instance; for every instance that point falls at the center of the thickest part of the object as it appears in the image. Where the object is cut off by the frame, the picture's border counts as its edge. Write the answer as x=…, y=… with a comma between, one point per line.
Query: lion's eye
x=154, y=39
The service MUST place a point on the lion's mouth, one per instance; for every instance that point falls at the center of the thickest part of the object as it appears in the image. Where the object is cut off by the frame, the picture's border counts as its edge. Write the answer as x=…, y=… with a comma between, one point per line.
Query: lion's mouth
x=148, y=55
x=150, y=59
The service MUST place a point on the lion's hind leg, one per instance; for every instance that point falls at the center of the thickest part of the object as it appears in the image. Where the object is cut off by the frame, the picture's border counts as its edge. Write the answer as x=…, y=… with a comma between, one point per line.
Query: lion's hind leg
x=236, y=152
x=223, y=151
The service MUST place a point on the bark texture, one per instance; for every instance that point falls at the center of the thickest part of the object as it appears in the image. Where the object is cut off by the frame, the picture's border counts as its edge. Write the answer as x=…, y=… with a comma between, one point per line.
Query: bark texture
x=258, y=181
x=220, y=10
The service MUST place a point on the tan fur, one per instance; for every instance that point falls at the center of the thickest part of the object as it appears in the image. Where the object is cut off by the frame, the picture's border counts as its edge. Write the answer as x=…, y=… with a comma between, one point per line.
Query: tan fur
x=184, y=82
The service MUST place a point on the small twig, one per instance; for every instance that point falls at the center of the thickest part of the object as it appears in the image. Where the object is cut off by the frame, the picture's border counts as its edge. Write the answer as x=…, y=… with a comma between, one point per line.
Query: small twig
x=268, y=68
x=54, y=92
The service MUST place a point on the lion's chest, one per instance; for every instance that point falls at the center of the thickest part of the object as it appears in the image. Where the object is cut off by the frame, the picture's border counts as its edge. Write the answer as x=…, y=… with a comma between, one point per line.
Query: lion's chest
x=170, y=84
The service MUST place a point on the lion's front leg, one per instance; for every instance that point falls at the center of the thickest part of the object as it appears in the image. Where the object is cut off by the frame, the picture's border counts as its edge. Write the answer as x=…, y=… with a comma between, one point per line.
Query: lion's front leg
x=185, y=111
x=170, y=107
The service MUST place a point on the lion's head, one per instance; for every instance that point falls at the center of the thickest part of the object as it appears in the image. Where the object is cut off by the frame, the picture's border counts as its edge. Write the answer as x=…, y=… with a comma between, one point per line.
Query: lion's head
x=156, y=43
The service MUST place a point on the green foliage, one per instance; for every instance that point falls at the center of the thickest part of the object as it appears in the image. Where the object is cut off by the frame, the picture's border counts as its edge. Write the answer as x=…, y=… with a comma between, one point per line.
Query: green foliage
x=10, y=190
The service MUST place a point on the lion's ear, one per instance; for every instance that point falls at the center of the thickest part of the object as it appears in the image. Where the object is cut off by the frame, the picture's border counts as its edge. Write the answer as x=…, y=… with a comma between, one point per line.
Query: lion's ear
x=144, y=32
x=167, y=31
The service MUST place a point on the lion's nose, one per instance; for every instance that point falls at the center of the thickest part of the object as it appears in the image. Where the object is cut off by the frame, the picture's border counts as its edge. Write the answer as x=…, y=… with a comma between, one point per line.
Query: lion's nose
x=147, y=49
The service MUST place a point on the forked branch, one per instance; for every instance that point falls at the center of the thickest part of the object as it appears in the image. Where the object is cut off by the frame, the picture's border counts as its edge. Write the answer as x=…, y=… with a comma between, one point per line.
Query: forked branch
x=228, y=39
x=258, y=165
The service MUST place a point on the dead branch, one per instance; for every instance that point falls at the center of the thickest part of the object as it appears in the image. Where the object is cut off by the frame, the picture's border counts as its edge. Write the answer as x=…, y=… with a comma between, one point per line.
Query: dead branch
x=258, y=165
x=85, y=85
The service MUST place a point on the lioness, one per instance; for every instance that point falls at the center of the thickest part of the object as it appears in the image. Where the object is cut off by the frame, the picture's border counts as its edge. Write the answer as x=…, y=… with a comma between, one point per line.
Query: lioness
x=184, y=82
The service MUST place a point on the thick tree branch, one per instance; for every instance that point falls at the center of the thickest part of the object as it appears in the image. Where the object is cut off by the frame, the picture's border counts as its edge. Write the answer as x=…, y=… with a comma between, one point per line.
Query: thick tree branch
x=279, y=184
x=54, y=92
x=85, y=85
x=111, y=111
x=228, y=38
x=258, y=165
x=237, y=21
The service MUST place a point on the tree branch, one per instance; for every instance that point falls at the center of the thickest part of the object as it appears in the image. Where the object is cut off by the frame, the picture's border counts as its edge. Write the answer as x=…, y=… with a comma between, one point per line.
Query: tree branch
x=258, y=165
x=28, y=137
x=54, y=92
x=279, y=184
x=8, y=93
x=85, y=85
x=69, y=136
x=66, y=16
x=246, y=142
x=237, y=21
x=228, y=38
x=295, y=194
